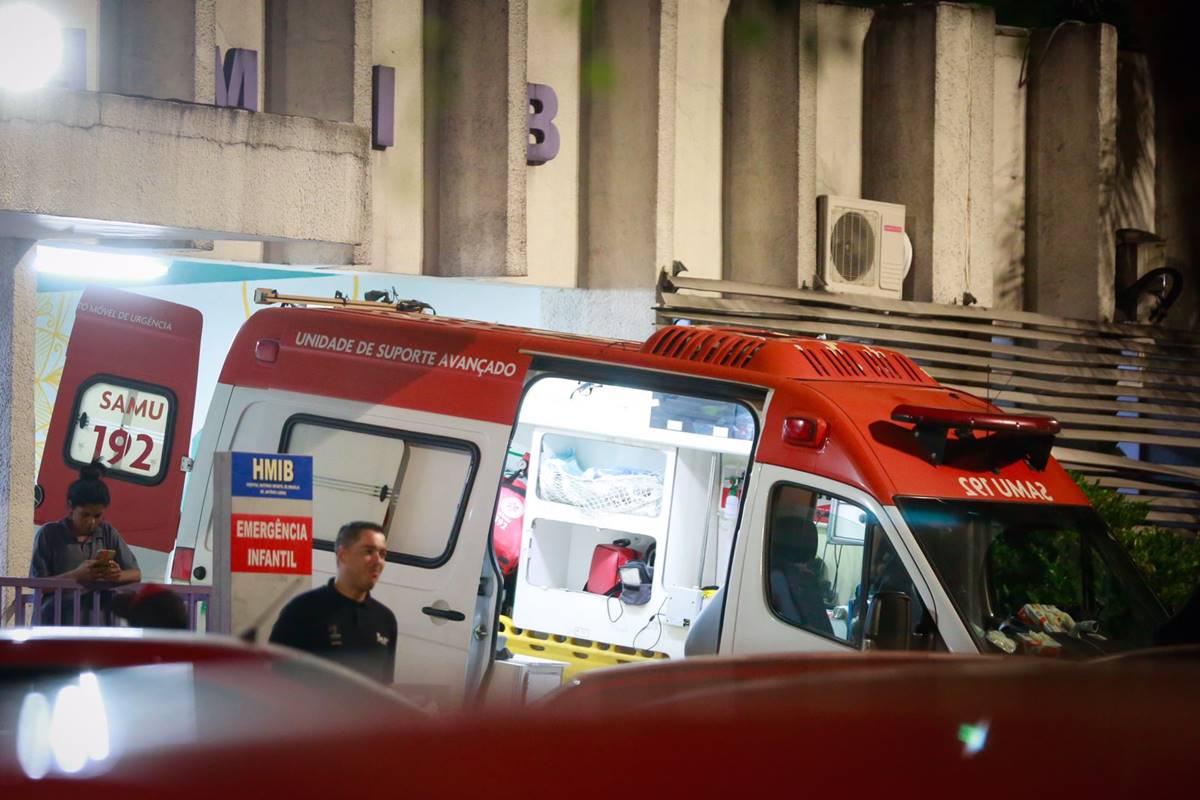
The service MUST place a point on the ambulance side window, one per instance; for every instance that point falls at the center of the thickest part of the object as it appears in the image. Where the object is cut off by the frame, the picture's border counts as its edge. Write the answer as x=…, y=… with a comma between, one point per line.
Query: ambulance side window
x=815, y=551
x=126, y=425
x=413, y=485
x=817, y=548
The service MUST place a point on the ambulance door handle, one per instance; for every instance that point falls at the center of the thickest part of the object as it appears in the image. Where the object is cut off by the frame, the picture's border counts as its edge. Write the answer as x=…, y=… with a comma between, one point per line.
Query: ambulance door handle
x=444, y=613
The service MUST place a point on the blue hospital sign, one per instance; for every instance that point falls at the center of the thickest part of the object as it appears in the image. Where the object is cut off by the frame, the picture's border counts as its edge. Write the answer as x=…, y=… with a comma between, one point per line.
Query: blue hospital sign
x=262, y=537
x=272, y=475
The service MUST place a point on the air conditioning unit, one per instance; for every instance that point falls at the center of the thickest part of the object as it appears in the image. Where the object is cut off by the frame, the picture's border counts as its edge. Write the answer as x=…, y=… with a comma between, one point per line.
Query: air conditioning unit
x=863, y=247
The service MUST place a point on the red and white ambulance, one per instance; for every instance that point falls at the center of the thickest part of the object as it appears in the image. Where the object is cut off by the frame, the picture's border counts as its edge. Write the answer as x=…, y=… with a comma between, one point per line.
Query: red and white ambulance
x=748, y=492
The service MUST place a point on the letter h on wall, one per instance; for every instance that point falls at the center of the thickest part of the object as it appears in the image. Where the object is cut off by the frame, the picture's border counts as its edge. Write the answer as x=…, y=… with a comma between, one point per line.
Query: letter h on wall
x=237, y=80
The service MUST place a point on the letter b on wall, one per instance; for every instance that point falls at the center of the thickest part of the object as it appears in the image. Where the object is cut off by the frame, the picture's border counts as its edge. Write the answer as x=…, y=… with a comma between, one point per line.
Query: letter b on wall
x=543, y=136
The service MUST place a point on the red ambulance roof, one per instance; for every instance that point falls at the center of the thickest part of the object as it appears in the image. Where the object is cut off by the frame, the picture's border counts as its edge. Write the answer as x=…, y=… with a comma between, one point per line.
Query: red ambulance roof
x=477, y=370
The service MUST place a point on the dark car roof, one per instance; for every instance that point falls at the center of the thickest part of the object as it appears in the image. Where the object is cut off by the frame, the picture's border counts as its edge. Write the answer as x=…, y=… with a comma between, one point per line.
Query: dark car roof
x=984, y=728
x=600, y=690
x=122, y=693
x=118, y=647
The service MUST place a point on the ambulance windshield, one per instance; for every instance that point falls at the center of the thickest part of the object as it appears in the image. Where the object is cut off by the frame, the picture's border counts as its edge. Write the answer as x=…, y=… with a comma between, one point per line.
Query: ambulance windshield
x=1035, y=579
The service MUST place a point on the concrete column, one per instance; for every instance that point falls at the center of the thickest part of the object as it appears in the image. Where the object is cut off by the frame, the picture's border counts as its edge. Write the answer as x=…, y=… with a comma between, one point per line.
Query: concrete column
x=159, y=48
x=841, y=31
x=1071, y=165
x=1134, y=198
x=628, y=122
x=927, y=140
x=364, y=58
x=310, y=59
x=1177, y=196
x=18, y=297
x=476, y=129
x=552, y=220
x=664, y=195
x=397, y=172
x=240, y=23
x=806, y=146
x=1008, y=176
x=699, y=76
x=204, y=51
x=318, y=64
x=770, y=142
x=361, y=83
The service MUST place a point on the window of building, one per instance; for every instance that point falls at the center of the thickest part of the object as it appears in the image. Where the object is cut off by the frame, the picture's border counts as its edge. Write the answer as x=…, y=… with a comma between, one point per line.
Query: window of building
x=124, y=424
x=414, y=486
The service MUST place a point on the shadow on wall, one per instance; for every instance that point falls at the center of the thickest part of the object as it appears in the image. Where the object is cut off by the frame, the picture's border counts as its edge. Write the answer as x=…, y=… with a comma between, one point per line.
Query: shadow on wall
x=1008, y=200
x=1134, y=177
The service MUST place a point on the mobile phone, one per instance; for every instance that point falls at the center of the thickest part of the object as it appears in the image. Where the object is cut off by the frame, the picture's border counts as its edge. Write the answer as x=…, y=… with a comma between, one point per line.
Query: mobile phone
x=105, y=555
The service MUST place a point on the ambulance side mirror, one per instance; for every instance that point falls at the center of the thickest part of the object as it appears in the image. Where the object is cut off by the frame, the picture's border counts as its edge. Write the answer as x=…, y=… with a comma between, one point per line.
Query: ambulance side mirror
x=889, y=622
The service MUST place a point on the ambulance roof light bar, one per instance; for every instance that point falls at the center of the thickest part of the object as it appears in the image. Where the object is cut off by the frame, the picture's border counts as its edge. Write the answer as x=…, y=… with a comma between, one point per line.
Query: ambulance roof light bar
x=271, y=297
x=1027, y=436
x=1034, y=424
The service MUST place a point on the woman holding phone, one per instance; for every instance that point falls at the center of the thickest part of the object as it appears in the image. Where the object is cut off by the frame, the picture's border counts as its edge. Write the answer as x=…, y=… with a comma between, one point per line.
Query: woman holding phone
x=82, y=546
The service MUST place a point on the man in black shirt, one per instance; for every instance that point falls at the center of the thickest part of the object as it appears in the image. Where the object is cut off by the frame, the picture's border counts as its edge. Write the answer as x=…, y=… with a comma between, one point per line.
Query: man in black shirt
x=341, y=621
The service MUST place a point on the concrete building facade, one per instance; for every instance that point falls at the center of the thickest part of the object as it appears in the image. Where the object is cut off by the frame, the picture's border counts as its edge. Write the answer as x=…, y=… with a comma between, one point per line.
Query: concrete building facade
x=693, y=130
x=697, y=130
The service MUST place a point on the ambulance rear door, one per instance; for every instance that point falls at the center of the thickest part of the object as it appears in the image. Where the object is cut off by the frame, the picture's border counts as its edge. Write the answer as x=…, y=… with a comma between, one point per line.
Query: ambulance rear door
x=430, y=482
x=407, y=422
x=126, y=398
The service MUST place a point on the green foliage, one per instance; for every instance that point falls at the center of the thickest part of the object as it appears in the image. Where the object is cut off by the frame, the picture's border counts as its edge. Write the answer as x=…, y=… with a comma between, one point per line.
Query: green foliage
x=749, y=30
x=598, y=74
x=1169, y=561
x=1041, y=569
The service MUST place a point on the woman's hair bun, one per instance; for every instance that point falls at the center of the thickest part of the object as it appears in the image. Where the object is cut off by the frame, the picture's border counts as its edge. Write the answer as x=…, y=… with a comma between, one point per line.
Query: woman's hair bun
x=92, y=472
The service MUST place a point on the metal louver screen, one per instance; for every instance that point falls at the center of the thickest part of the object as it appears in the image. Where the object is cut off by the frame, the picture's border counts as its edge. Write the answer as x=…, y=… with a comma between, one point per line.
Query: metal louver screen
x=1107, y=383
x=852, y=247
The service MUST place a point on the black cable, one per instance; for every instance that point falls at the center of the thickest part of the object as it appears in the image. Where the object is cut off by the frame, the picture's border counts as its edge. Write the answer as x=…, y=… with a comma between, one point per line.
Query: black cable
x=657, y=615
x=608, y=608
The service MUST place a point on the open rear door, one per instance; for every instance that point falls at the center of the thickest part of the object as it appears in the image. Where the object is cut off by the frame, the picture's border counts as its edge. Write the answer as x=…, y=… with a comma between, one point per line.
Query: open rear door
x=126, y=397
x=408, y=421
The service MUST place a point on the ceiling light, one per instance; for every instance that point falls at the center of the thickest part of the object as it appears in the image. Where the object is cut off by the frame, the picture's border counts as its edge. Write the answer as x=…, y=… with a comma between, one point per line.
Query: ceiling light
x=31, y=47
x=99, y=265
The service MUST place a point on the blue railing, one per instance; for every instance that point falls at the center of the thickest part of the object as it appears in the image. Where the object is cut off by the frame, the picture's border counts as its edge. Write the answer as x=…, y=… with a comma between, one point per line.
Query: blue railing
x=61, y=601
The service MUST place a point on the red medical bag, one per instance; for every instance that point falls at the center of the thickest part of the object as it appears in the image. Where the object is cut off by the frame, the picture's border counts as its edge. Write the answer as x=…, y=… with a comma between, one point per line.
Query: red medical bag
x=607, y=559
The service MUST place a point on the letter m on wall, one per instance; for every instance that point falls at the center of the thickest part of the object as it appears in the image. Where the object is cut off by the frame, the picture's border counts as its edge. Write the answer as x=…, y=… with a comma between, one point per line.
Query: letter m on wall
x=237, y=79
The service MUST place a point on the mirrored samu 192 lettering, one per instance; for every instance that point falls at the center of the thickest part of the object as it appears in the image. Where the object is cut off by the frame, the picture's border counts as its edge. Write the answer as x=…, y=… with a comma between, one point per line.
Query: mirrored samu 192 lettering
x=1006, y=488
